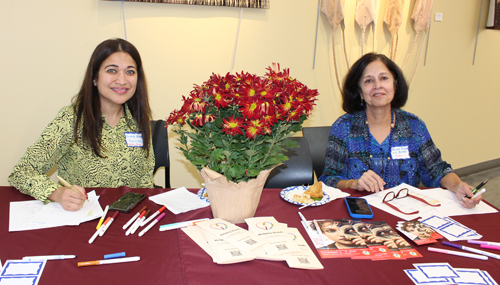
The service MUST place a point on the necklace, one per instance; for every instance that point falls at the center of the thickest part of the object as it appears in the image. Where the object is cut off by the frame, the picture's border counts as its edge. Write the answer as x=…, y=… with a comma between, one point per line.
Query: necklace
x=368, y=147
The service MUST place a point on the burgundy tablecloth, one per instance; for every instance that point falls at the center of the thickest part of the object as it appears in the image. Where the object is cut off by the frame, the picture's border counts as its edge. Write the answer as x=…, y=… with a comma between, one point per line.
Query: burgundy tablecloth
x=173, y=258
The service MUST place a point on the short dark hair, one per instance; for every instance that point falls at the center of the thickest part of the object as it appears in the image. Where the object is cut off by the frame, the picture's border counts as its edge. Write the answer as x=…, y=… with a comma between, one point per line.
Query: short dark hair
x=87, y=104
x=351, y=91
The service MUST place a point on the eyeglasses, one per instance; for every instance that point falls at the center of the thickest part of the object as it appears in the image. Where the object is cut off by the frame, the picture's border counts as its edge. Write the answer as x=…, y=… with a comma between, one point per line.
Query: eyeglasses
x=402, y=194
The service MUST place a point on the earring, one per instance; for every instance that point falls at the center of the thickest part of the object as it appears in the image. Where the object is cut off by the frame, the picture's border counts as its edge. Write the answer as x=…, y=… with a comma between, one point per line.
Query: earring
x=361, y=101
x=95, y=82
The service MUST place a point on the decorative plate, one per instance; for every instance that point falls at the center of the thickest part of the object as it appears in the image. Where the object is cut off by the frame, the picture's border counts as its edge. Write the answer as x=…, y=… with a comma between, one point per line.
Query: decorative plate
x=202, y=194
x=287, y=195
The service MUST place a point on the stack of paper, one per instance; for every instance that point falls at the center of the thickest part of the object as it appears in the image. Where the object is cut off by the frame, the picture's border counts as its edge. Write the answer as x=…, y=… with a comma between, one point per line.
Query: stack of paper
x=30, y=215
x=418, y=232
x=449, y=228
x=284, y=243
x=22, y=272
x=266, y=239
x=355, y=239
x=443, y=273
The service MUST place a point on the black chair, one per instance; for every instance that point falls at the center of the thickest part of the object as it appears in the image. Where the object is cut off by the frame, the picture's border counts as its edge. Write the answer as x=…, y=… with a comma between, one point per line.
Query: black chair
x=317, y=139
x=160, y=147
x=297, y=170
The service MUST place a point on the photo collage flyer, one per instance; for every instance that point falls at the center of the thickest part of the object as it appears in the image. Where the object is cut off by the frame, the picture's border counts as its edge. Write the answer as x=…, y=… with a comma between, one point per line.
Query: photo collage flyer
x=418, y=232
x=355, y=239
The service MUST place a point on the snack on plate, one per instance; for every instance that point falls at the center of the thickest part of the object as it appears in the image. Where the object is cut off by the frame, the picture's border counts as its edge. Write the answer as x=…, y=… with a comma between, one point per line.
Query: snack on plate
x=315, y=191
x=304, y=199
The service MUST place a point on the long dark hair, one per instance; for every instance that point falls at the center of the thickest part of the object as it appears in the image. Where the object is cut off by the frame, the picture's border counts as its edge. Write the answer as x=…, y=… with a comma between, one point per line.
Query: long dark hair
x=87, y=103
x=351, y=91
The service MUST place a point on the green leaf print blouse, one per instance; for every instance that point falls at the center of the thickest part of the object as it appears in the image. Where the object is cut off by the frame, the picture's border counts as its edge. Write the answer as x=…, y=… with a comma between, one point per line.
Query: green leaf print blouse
x=77, y=164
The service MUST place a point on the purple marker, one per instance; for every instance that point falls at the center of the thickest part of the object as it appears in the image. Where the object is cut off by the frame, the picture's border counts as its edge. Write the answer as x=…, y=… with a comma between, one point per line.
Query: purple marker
x=478, y=251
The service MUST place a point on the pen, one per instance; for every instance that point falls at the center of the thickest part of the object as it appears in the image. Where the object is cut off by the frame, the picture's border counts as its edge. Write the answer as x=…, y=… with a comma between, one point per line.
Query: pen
x=139, y=222
x=318, y=229
x=180, y=225
x=133, y=218
x=490, y=246
x=479, y=186
x=109, y=261
x=153, y=216
x=474, y=241
x=105, y=228
x=65, y=183
x=102, y=218
x=132, y=228
x=479, y=193
x=478, y=251
x=453, y=252
x=303, y=219
x=151, y=225
x=48, y=257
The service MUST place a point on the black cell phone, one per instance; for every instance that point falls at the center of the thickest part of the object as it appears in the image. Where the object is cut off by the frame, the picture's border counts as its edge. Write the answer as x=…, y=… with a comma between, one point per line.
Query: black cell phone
x=358, y=208
x=127, y=202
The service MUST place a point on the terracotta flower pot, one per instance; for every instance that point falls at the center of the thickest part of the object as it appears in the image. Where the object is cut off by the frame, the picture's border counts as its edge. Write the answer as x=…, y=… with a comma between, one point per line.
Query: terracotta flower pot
x=233, y=202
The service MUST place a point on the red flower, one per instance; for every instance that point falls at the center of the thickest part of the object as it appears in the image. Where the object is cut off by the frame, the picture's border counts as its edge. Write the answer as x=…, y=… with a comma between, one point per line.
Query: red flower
x=232, y=126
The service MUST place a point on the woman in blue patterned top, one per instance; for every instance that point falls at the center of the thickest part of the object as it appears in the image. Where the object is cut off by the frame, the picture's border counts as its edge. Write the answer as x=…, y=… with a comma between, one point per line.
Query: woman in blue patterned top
x=376, y=144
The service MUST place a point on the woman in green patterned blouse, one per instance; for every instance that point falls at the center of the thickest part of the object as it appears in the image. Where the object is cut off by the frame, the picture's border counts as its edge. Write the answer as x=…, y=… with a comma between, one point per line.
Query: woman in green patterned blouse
x=102, y=140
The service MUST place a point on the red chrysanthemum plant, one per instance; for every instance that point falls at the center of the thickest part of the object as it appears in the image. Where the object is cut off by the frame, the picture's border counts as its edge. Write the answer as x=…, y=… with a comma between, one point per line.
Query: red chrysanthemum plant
x=238, y=125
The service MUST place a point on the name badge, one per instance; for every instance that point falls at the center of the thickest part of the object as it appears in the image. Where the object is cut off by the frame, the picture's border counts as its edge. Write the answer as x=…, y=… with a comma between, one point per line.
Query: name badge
x=400, y=152
x=133, y=139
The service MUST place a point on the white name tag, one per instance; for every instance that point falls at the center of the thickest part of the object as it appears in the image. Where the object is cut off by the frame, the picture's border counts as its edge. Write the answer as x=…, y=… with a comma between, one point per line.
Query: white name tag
x=133, y=139
x=400, y=152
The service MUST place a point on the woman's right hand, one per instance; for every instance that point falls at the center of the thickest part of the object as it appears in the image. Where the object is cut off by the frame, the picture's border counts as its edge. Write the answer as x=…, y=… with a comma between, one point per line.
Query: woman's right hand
x=370, y=181
x=69, y=199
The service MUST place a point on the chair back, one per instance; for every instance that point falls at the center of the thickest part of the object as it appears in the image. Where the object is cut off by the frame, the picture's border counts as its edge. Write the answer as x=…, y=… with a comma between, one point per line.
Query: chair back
x=297, y=170
x=317, y=139
x=160, y=147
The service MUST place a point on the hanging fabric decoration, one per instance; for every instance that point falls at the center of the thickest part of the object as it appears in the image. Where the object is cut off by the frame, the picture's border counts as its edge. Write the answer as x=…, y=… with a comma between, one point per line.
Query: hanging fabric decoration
x=422, y=17
x=366, y=13
x=393, y=19
x=334, y=11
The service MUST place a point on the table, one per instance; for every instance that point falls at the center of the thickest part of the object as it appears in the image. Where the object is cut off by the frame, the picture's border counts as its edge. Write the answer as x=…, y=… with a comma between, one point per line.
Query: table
x=172, y=257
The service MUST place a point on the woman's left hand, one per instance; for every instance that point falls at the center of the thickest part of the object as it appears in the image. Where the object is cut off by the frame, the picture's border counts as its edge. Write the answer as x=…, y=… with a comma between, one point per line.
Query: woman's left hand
x=464, y=190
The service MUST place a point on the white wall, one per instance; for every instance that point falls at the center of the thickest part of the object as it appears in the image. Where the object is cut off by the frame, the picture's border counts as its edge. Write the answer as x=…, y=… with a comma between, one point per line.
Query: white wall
x=45, y=46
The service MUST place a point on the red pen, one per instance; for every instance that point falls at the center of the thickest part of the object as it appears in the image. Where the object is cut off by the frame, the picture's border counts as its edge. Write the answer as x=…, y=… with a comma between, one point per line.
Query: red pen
x=135, y=223
x=139, y=222
x=153, y=216
x=105, y=227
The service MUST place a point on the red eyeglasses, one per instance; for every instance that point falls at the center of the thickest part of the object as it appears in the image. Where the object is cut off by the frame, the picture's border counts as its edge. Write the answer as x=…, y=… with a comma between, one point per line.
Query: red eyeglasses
x=402, y=194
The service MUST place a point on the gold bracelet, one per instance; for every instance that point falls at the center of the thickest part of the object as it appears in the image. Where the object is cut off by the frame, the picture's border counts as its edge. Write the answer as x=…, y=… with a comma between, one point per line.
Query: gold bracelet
x=347, y=183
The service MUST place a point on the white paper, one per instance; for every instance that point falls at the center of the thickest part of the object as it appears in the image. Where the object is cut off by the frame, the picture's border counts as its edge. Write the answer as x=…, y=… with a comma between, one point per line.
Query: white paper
x=225, y=253
x=472, y=276
x=305, y=259
x=333, y=192
x=436, y=270
x=450, y=206
x=419, y=278
x=179, y=200
x=279, y=242
x=22, y=272
x=233, y=234
x=21, y=213
x=54, y=214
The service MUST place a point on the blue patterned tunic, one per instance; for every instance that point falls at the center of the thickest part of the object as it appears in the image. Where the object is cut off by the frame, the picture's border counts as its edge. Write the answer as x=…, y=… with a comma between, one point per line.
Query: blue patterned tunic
x=352, y=151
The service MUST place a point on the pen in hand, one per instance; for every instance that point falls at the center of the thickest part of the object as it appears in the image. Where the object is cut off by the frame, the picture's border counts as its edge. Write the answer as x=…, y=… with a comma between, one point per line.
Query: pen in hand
x=65, y=183
x=479, y=186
